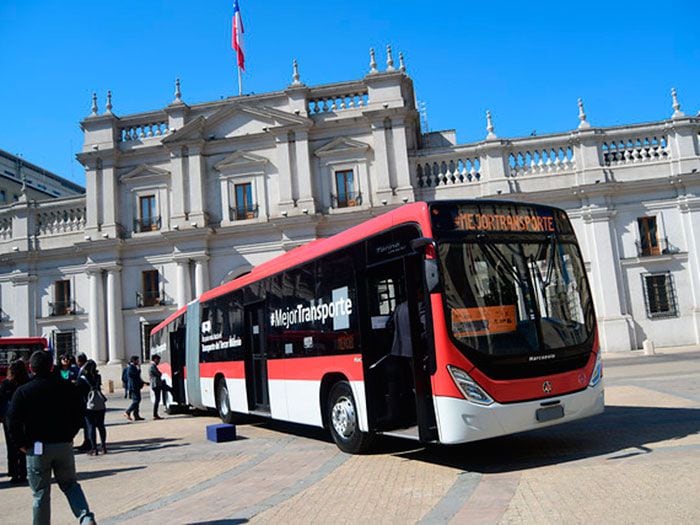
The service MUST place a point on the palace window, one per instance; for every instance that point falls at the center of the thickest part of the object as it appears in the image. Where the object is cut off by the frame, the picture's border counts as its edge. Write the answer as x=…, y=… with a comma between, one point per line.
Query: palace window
x=659, y=295
x=64, y=342
x=150, y=288
x=346, y=195
x=62, y=303
x=648, y=237
x=245, y=208
x=148, y=219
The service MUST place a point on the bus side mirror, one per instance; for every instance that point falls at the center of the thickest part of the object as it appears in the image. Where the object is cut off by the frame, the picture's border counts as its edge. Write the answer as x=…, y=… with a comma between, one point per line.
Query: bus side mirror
x=432, y=275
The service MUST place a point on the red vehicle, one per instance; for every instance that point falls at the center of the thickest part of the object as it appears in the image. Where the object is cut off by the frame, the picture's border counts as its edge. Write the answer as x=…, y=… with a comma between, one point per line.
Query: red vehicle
x=445, y=322
x=13, y=348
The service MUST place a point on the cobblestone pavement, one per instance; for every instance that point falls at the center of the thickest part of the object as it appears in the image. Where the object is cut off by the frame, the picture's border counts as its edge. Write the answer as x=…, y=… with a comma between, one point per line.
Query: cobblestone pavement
x=637, y=462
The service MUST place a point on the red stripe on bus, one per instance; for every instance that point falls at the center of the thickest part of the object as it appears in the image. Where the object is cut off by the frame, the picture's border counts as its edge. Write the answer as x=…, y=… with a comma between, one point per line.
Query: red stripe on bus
x=230, y=369
x=314, y=368
x=510, y=390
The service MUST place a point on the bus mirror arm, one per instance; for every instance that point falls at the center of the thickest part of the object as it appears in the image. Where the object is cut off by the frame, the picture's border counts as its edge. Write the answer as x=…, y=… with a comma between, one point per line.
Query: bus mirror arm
x=419, y=244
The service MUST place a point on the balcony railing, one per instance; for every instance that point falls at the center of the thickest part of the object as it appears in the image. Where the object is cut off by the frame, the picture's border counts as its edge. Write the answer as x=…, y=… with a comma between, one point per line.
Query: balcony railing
x=349, y=200
x=62, y=308
x=148, y=224
x=241, y=214
x=149, y=298
x=662, y=247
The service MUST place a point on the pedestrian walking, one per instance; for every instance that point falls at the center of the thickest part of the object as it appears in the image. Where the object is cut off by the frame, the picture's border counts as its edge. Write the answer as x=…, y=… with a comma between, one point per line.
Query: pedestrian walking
x=95, y=402
x=17, y=375
x=158, y=386
x=79, y=364
x=68, y=369
x=44, y=416
x=135, y=384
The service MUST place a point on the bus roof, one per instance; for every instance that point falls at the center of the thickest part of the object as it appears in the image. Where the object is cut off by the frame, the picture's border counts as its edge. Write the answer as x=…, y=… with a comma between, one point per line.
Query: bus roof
x=414, y=212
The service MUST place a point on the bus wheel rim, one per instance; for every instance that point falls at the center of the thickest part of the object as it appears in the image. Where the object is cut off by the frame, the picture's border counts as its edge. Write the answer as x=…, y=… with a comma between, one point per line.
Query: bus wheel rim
x=223, y=400
x=343, y=417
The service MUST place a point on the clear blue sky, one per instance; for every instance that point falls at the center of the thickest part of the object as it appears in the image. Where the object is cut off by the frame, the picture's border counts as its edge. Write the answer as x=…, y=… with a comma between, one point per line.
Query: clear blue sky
x=526, y=62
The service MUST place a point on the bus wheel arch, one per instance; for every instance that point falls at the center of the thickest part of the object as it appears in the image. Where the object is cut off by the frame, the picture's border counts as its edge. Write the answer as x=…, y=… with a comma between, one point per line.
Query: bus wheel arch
x=342, y=418
x=223, y=402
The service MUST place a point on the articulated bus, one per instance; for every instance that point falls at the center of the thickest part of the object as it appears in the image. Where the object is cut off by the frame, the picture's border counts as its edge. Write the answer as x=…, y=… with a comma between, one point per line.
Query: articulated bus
x=13, y=348
x=445, y=322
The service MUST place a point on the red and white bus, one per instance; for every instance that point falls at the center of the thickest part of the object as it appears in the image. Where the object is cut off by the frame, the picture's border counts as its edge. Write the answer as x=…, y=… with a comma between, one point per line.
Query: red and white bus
x=447, y=322
x=13, y=348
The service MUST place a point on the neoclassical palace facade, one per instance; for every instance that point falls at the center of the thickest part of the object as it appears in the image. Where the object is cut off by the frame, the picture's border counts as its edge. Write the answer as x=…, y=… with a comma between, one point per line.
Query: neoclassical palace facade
x=190, y=196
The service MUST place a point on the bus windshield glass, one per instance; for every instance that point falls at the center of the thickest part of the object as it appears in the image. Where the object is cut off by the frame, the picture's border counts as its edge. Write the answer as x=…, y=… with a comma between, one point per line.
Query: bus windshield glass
x=514, y=286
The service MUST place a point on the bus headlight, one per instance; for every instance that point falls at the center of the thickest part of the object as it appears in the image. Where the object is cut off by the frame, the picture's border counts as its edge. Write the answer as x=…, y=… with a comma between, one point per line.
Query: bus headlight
x=470, y=390
x=597, y=374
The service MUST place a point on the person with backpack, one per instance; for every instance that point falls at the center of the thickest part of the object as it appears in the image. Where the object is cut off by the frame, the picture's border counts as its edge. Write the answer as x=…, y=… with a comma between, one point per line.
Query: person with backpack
x=90, y=386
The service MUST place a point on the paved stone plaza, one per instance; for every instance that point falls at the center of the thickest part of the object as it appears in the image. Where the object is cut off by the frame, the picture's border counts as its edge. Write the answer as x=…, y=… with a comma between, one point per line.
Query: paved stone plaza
x=639, y=462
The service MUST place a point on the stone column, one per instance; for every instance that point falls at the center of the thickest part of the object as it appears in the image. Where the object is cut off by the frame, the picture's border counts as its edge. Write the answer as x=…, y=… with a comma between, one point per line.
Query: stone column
x=284, y=171
x=306, y=199
x=115, y=323
x=184, y=288
x=381, y=173
x=178, y=194
x=690, y=217
x=614, y=322
x=196, y=176
x=24, y=318
x=201, y=275
x=97, y=350
x=404, y=187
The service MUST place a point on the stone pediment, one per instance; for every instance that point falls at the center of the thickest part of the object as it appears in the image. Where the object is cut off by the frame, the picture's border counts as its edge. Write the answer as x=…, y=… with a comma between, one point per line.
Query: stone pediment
x=238, y=120
x=144, y=171
x=342, y=146
x=239, y=161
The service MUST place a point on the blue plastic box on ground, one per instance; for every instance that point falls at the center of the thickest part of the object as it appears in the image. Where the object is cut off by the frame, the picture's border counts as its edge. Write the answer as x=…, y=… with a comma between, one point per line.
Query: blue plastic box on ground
x=221, y=433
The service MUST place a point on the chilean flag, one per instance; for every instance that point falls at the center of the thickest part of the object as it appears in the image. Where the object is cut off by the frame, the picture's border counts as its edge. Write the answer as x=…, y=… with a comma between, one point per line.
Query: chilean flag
x=237, y=35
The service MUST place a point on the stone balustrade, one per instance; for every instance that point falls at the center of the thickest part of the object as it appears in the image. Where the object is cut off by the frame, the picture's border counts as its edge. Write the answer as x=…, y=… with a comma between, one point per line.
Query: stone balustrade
x=143, y=130
x=533, y=157
x=461, y=165
x=337, y=101
x=5, y=226
x=62, y=216
x=618, y=149
x=465, y=165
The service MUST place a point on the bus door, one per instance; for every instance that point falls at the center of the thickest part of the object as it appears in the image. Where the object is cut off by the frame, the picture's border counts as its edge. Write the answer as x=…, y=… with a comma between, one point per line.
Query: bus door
x=256, y=358
x=176, y=350
x=398, y=382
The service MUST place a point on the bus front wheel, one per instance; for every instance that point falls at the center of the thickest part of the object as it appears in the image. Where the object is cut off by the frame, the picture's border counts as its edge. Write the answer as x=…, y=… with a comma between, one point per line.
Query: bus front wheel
x=223, y=403
x=341, y=414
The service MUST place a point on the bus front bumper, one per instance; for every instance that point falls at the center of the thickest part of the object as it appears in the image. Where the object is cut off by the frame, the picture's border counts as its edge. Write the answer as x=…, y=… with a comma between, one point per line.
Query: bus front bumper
x=460, y=421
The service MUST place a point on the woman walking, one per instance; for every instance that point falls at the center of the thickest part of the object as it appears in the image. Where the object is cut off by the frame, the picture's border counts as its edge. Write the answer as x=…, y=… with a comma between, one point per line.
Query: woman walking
x=90, y=385
x=17, y=375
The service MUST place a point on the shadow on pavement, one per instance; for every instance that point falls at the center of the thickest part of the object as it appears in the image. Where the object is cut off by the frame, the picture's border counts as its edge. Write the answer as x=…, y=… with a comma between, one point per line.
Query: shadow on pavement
x=143, y=445
x=618, y=429
x=82, y=476
x=219, y=522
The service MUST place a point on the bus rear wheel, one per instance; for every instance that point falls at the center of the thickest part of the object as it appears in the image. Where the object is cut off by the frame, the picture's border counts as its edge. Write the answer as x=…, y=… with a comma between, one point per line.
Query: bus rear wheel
x=223, y=404
x=341, y=414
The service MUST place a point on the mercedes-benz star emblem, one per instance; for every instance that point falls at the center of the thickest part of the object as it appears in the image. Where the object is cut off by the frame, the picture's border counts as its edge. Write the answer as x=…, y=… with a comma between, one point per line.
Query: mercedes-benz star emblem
x=547, y=387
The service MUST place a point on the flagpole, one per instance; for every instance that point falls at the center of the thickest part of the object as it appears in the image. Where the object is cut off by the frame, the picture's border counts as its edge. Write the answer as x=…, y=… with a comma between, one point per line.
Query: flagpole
x=240, y=82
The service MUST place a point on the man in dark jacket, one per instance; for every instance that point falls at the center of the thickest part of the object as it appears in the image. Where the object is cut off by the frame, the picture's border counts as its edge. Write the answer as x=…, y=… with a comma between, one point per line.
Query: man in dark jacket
x=158, y=386
x=44, y=416
x=134, y=386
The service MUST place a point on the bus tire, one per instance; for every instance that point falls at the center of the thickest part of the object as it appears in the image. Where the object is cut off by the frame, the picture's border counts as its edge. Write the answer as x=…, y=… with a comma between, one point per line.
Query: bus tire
x=344, y=424
x=223, y=404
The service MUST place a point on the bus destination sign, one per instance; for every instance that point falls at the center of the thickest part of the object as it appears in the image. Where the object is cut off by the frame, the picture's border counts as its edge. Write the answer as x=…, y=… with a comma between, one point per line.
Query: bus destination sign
x=502, y=218
x=533, y=222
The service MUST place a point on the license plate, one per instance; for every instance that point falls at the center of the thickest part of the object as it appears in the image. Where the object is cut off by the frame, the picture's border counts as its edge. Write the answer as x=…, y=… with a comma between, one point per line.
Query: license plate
x=549, y=413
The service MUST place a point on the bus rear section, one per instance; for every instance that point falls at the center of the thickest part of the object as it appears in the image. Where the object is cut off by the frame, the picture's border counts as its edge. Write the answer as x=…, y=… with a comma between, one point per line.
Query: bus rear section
x=514, y=323
x=13, y=348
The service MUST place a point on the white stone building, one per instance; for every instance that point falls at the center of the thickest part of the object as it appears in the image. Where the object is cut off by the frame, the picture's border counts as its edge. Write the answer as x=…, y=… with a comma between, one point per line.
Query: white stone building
x=187, y=197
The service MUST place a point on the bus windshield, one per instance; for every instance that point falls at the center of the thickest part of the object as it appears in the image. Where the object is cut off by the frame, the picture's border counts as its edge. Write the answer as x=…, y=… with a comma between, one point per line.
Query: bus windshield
x=516, y=298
